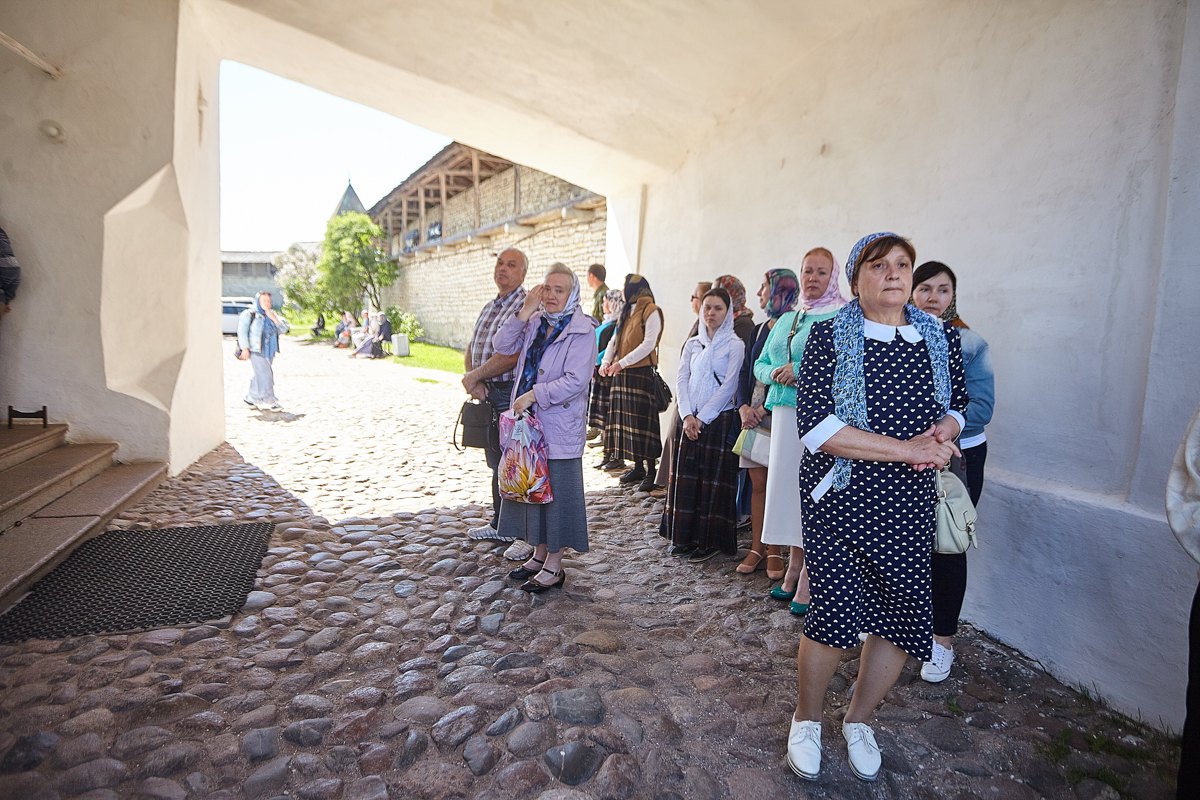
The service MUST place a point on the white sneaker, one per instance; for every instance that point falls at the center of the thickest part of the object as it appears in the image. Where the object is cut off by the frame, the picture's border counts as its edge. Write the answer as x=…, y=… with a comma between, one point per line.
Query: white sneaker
x=804, y=748
x=519, y=551
x=938, y=669
x=487, y=533
x=864, y=753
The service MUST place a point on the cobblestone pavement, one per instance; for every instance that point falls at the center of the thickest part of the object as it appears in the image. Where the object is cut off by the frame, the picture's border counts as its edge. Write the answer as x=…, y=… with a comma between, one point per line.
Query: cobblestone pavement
x=384, y=655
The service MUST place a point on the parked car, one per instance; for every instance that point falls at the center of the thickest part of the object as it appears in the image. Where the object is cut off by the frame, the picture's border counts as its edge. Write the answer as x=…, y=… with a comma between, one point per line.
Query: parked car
x=231, y=308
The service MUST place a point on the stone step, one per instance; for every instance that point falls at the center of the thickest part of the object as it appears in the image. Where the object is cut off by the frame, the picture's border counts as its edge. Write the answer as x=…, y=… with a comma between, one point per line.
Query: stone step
x=39, y=543
x=32, y=485
x=106, y=494
x=23, y=442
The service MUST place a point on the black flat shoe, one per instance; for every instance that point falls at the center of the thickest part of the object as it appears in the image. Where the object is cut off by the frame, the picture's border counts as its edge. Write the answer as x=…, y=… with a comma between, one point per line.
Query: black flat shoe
x=682, y=549
x=647, y=485
x=533, y=587
x=608, y=463
x=635, y=475
x=703, y=555
x=521, y=574
x=614, y=464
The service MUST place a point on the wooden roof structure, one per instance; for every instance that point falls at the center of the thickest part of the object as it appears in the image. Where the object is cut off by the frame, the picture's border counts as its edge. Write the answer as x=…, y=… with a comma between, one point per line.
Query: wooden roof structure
x=451, y=172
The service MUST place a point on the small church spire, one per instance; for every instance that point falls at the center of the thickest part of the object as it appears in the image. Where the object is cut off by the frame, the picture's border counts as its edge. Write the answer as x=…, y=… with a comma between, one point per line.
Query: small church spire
x=349, y=201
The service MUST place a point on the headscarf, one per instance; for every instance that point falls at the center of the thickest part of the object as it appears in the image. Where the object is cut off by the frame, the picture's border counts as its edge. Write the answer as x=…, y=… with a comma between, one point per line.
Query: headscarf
x=549, y=327
x=569, y=308
x=635, y=287
x=785, y=289
x=832, y=298
x=270, y=331
x=702, y=383
x=615, y=301
x=849, y=384
x=737, y=293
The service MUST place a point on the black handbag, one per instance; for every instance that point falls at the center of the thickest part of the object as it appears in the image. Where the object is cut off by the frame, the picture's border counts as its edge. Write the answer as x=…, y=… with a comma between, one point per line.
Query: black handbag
x=662, y=392
x=475, y=418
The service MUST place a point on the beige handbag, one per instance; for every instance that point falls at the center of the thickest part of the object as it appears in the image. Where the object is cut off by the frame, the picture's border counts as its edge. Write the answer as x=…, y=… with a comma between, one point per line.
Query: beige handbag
x=956, y=516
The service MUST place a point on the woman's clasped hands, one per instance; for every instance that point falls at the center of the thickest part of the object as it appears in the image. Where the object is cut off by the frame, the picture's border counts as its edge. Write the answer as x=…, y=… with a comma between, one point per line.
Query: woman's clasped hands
x=934, y=448
x=691, y=427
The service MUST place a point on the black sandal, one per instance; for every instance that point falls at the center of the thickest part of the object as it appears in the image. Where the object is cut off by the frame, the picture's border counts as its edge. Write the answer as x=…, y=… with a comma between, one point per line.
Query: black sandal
x=533, y=587
x=521, y=574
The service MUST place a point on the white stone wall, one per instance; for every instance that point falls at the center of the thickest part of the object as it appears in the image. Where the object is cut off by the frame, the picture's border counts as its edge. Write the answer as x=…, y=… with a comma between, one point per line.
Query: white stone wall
x=447, y=290
x=538, y=190
x=1064, y=198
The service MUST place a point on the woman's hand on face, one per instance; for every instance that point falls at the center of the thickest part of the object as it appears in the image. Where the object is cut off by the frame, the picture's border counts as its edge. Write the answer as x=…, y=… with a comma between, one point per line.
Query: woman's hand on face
x=785, y=375
x=523, y=403
x=926, y=452
x=691, y=427
x=533, y=299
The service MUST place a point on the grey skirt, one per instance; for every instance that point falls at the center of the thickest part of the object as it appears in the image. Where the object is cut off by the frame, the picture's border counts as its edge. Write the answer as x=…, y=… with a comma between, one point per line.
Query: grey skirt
x=560, y=523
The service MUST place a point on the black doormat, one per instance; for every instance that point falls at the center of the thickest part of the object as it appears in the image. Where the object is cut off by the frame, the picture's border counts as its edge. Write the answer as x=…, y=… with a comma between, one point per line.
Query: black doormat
x=125, y=581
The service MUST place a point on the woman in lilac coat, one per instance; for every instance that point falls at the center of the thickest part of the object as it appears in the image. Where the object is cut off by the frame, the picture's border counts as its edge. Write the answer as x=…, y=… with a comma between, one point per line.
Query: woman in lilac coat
x=557, y=344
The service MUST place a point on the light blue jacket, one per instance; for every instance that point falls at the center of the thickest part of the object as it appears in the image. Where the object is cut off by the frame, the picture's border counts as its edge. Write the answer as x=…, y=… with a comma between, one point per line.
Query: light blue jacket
x=250, y=333
x=977, y=363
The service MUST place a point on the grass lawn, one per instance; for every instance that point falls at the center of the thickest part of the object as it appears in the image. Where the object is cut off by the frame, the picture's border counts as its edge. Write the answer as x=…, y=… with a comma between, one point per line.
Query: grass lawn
x=431, y=356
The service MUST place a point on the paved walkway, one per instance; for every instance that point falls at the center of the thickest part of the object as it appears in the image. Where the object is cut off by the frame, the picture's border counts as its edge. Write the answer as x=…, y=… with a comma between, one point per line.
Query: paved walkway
x=383, y=655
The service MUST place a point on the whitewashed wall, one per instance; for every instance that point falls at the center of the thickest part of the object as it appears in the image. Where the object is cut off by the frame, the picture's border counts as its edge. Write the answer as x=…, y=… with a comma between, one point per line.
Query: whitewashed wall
x=1029, y=146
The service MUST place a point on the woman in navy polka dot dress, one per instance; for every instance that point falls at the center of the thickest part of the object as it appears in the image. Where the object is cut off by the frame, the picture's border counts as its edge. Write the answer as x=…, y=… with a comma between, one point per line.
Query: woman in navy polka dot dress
x=881, y=397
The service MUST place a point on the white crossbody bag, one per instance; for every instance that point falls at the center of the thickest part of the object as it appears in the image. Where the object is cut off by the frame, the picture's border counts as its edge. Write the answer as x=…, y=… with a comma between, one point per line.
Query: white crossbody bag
x=956, y=515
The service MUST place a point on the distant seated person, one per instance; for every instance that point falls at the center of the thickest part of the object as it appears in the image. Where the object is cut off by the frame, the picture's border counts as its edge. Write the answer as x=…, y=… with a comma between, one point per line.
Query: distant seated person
x=341, y=334
x=360, y=335
x=383, y=337
x=371, y=331
x=319, y=328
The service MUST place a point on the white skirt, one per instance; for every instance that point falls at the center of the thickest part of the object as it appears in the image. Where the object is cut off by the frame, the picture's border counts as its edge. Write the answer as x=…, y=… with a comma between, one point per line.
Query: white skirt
x=781, y=522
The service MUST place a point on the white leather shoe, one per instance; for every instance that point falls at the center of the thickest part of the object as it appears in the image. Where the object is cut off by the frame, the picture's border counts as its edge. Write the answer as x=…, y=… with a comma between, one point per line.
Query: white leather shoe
x=938, y=669
x=804, y=748
x=863, y=752
x=519, y=551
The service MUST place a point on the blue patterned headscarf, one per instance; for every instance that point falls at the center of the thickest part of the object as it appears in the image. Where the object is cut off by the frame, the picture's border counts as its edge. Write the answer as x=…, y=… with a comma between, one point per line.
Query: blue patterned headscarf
x=849, y=383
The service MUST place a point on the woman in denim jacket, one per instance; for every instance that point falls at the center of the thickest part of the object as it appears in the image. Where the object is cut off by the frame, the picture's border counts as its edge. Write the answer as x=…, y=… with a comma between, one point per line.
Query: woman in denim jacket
x=935, y=288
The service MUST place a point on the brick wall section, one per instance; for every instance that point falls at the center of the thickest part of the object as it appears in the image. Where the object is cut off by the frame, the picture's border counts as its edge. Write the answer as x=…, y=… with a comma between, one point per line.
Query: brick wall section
x=447, y=290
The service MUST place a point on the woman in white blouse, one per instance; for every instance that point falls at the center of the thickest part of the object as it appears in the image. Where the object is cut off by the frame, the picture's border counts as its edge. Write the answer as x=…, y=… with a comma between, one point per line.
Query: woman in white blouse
x=701, y=514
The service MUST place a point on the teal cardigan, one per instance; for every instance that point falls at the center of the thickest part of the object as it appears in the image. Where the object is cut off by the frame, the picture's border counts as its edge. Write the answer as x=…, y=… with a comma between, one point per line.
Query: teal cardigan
x=774, y=356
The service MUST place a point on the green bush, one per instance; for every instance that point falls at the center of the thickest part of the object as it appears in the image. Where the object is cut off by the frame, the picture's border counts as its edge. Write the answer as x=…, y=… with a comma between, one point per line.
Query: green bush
x=405, y=323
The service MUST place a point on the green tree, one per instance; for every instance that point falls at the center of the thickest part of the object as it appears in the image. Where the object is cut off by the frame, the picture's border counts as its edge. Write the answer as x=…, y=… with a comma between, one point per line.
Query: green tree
x=297, y=275
x=351, y=264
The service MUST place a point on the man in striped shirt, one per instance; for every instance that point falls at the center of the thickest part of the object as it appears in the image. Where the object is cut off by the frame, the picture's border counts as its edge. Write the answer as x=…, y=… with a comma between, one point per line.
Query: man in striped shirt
x=489, y=375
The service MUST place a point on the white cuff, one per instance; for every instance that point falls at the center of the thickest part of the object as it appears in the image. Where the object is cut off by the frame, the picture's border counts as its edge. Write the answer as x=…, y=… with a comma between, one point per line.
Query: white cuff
x=823, y=487
x=820, y=434
x=972, y=441
x=962, y=422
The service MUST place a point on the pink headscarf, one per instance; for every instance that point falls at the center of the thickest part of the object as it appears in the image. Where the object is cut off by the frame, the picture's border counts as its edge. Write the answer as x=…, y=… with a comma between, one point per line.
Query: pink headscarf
x=832, y=299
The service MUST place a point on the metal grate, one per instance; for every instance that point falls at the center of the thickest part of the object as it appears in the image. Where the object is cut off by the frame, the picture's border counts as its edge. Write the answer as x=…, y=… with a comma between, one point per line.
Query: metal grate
x=123, y=581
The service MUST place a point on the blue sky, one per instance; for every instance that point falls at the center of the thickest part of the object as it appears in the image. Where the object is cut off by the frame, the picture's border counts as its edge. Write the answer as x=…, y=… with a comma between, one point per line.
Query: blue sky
x=286, y=150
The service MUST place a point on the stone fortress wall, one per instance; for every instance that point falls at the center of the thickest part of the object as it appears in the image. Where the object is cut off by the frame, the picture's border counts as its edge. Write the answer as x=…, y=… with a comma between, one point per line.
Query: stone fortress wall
x=446, y=287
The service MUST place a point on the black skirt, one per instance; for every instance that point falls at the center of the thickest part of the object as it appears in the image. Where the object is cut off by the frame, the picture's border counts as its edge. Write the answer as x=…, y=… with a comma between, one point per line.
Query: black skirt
x=702, y=494
x=598, y=405
x=631, y=430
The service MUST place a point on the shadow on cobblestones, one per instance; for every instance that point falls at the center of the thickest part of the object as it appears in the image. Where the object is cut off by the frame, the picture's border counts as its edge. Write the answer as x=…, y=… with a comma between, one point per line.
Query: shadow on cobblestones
x=389, y=656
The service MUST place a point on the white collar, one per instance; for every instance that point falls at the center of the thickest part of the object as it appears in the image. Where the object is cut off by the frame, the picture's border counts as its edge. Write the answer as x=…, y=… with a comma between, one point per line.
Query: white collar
x=886, y=333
